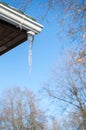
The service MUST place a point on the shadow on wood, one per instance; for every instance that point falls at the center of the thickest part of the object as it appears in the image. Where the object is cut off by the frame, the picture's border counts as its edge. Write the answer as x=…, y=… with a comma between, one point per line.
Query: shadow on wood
x=10, y=36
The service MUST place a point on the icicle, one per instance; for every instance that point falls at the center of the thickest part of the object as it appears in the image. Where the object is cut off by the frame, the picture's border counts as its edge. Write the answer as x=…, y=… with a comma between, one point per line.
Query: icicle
x=30, y=39
x=20, y=26
x=30, y=56
x=21, y=23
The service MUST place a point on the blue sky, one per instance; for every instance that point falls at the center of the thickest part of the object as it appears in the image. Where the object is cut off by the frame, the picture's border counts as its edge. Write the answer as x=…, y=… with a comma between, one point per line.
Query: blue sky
x=47, y=48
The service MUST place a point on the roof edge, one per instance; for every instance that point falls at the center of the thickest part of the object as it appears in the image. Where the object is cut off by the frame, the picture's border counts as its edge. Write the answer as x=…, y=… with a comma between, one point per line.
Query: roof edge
x=19, y=19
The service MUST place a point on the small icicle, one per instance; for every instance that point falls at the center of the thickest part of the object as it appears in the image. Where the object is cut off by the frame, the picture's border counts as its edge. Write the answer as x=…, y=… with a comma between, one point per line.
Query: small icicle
x=30, y=39
x=20, y=26
x=22, y=22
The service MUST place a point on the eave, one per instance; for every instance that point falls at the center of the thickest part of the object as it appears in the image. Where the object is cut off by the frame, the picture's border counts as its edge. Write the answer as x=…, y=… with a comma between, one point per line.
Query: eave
x=14, y=26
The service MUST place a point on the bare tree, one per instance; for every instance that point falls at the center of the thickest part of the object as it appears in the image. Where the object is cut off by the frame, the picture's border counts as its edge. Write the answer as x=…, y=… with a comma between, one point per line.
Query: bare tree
x=20, y=112
x=68, y=87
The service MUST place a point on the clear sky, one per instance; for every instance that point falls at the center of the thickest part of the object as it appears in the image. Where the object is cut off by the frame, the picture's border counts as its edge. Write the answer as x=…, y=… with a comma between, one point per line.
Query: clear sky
x=47, y=48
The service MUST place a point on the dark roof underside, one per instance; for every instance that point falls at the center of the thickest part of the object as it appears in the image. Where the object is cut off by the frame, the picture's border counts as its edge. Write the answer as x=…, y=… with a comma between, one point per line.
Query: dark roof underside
x=10, y=36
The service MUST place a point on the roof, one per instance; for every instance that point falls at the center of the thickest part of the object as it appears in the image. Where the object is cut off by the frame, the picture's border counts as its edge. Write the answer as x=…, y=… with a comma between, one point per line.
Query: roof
x=14, y=25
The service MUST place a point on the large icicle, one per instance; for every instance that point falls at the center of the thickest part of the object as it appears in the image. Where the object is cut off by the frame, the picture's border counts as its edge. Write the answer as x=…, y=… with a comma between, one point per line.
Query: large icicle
x=30, y=39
